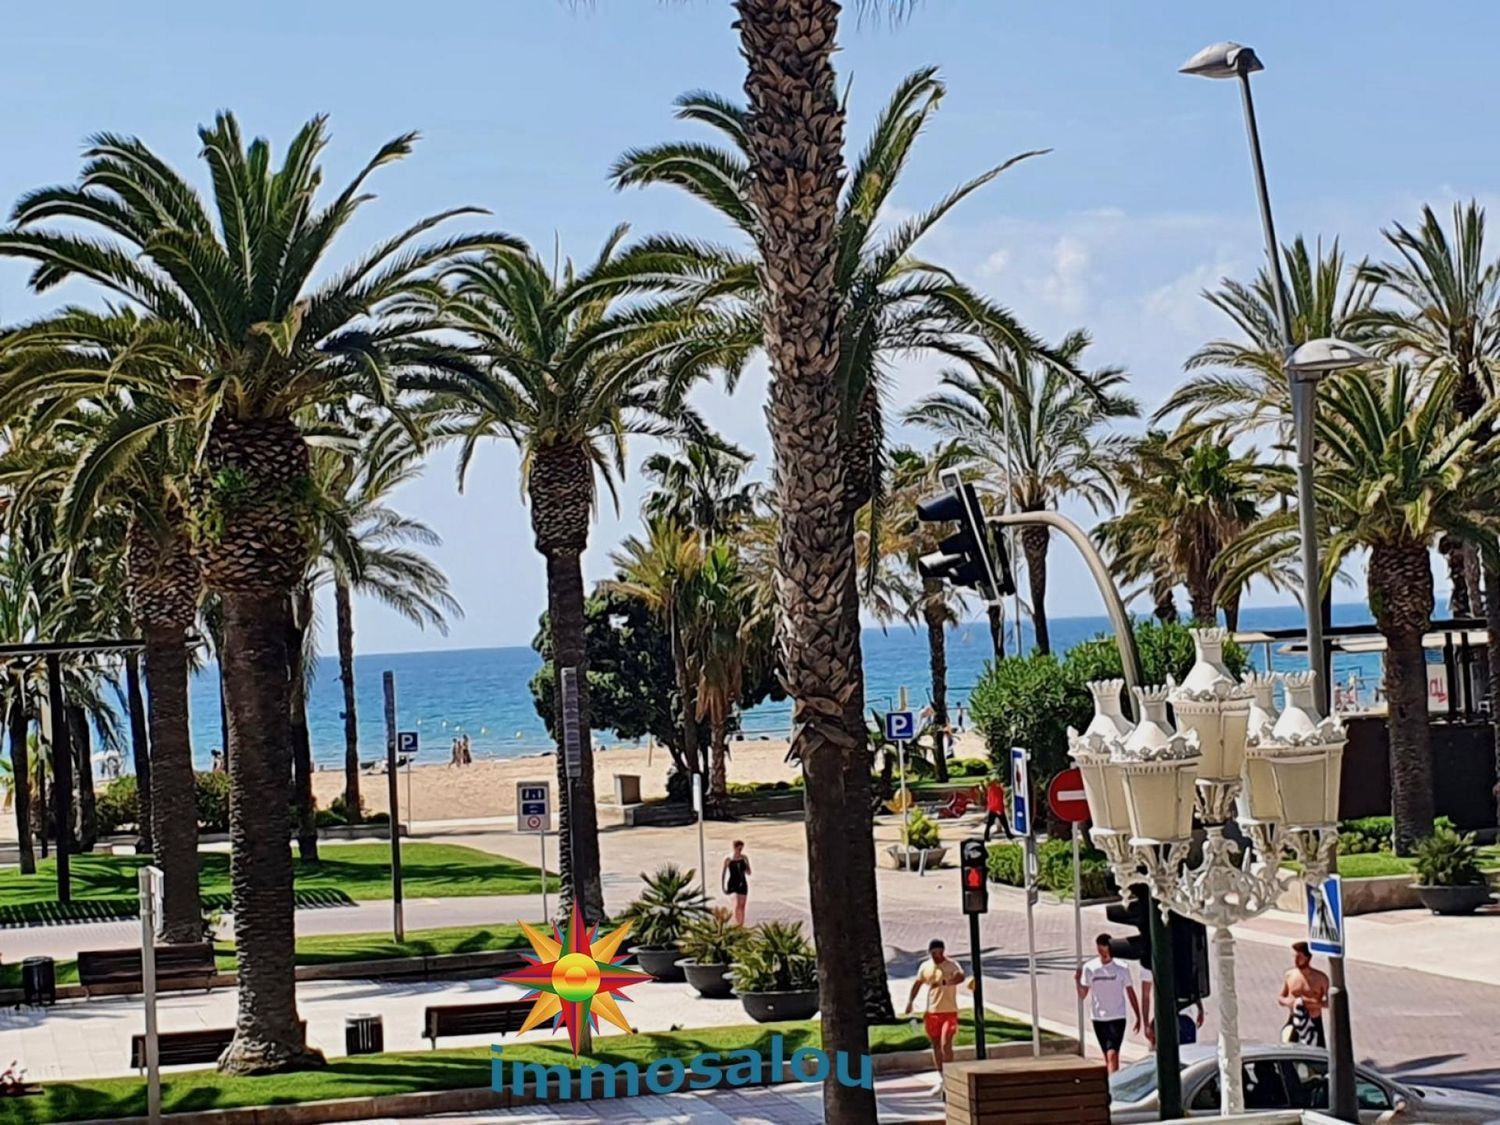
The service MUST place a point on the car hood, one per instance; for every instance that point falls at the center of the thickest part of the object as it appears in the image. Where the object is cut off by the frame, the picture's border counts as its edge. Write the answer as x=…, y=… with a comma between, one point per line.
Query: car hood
x=1482, y=1107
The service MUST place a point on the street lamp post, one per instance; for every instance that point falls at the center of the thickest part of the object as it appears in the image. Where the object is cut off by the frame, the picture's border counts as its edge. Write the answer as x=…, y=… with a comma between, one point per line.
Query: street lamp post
x=1232, y=60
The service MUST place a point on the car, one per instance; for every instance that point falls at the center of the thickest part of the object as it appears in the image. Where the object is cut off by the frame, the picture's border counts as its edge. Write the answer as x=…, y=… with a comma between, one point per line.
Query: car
x=1280, y=1076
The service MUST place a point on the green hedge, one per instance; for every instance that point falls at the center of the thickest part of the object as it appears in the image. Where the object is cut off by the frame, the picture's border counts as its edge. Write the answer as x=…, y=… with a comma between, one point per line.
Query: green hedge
x=1007, y=865
x=1369, y=834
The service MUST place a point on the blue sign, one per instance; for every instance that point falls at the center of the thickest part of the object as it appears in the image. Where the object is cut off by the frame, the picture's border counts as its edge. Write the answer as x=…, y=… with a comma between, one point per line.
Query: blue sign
x=406, y=742
x=1020, y=792
x=1325, y=917
x=900, y=726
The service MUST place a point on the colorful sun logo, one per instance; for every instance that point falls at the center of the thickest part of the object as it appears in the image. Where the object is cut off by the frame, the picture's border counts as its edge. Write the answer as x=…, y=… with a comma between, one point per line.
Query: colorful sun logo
x=576, y=977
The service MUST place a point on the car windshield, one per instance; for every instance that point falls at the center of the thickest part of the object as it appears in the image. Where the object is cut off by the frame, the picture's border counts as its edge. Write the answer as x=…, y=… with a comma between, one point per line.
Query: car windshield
x=1135, y=1082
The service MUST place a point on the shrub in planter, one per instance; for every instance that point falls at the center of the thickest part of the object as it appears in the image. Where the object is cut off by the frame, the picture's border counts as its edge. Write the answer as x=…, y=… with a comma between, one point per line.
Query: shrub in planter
x=212, y=793
x=1368, y=834
x=776, y=975
x=1007, y=864
x=921, y=831
x=1449, y=880
x=117, y=805
x=671, y=901
x=710, y=945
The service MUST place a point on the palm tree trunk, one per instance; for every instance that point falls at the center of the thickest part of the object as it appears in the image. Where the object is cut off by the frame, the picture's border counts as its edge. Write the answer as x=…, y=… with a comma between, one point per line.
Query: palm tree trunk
x=343, y=601
x=267, y=1037
x=795, y=140
x=39, y=809
x=937, y=662
x=1400, y=592
x=719, y=781
x=1164, y=598
x=86, y=823
x=578, y=826
x=1034, y=542
x=997, y=629
x=174, y=803
x=140, y=748
x=687, y=706
x=223, y=712
x=20, y=760
x=1201, y=598
x=1492, y=626
x=1452, y=550
x=302, y=793
x=1231, y=607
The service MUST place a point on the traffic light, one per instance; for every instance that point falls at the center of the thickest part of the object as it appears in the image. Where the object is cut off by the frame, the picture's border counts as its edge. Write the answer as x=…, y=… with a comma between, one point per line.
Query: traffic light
x=974, y=876
x=1189, y=946
x=971, y=557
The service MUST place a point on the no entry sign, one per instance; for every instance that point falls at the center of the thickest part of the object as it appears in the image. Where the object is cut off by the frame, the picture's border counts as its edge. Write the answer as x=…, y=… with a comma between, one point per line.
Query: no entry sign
x=1066, y=798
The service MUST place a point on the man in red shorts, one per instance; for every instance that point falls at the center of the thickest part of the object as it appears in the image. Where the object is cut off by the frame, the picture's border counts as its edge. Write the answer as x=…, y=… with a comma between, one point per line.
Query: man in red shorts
x=942, y=978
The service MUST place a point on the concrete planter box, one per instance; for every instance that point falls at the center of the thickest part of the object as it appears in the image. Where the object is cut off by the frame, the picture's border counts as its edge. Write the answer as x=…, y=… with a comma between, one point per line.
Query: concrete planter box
x=711, y=981
x=768, y=1007
x=915, y=859
x=661, y=963
x=1454, y=900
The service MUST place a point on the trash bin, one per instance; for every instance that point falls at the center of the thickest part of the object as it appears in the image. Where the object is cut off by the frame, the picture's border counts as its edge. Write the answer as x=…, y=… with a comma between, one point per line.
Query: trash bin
x=364, y=1034
x=39, y=980
x=627, y=789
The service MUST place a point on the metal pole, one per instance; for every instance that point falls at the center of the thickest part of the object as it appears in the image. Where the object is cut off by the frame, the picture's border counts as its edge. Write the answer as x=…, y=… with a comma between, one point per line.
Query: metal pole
x=702, y=847
x=1343, y=1103
x=1036, y=1031
x=979, y=1048
x=62, y=776
x=1078, y=930
x=148, y=987
x=1168, y=1069
x=1231, y=1077
x=541, y=837
x=398, y=922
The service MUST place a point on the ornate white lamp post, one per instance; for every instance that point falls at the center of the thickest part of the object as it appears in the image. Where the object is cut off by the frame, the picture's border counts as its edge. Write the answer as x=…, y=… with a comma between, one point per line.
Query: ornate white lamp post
x=1229, y=752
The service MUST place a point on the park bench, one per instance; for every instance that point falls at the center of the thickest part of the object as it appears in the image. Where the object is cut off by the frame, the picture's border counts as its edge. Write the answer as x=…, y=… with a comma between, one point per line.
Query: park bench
x=495, y=1018
x=186, y=1048
x=119, y=970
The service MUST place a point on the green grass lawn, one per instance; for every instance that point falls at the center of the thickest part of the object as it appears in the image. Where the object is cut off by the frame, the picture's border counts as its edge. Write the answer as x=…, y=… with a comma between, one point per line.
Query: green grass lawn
x=105, y=885
x=1369, y=865
x=331, y=949
x=369, y=1075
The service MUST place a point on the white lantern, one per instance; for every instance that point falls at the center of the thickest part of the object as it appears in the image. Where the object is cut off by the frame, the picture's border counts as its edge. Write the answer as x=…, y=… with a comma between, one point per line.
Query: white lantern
x=1259, y=801
x=1109, y=721
x=1306, y=754
x=1213, y=704
x=1159, y=768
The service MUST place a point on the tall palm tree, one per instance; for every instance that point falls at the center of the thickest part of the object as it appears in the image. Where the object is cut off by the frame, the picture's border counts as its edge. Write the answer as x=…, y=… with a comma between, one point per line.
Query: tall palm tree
x=1446, y=316
x=1036, y=439
x=261, y=333
x=1401, y=469
x=720, y=629
x=571, y=365
x=1185, y=505
x=703, y=488
x=108, y=448
x=1242, y=385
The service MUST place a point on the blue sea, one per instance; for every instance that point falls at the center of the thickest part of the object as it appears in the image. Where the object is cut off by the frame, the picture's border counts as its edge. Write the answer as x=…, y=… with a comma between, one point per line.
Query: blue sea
x=483, y=692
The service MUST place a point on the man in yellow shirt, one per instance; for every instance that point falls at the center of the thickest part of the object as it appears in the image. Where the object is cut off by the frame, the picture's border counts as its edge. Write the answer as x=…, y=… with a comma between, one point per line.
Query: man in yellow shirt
x=942, y=978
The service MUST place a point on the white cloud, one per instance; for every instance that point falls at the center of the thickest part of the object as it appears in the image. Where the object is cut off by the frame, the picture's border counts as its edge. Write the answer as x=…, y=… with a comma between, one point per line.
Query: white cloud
x=995, y=264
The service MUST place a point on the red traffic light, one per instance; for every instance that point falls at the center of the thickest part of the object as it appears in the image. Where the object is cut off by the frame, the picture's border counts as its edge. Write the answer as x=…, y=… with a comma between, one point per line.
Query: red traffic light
x=974, y=878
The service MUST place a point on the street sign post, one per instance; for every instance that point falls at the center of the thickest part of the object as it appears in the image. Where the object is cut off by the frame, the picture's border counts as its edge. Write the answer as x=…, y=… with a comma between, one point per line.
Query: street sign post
x=150, y=880
x=1020, y=804
x=974, y=865
x=702, y=847
x=1325, y=917
x=1020, y=791
x=398, y=922
x=534, y=814
x=406, y=749
x=1066, y=799
x=900, y=726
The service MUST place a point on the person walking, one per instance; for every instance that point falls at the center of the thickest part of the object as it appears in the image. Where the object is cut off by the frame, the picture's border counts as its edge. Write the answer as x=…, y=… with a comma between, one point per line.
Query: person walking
x=1304, y=993
x=941, y=977
x=1107, y=985
x=994, y=807
x=735, y=875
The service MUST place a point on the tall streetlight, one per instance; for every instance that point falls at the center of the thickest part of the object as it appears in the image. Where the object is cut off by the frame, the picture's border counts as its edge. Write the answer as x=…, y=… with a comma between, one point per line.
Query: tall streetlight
x=1304, y=366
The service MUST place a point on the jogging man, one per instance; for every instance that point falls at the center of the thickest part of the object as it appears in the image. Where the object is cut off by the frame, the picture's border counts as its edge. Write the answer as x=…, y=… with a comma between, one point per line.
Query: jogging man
x=1304, y=991
x=1107, y=984
x=941, y=978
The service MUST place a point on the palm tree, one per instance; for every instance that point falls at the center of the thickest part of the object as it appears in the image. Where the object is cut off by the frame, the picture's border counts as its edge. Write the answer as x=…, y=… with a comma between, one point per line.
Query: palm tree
x=1243, y=386
x=719, y=629
x=1401, y=469
x=1035, y=439
x=703, y=489
x=256, y=342
x=571, y=366
x=659, y=572
x=1185, y=505
x=1447, y=317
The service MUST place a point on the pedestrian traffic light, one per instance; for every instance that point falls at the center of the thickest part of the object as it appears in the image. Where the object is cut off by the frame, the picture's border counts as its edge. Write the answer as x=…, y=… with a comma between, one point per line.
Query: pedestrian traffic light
x=974, y=875
x=1189, y=946
x=1131, y=912
x=971, y=557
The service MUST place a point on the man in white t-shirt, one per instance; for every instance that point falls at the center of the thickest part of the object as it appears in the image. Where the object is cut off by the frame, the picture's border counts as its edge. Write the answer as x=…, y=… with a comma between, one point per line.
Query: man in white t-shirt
x=1107, y=984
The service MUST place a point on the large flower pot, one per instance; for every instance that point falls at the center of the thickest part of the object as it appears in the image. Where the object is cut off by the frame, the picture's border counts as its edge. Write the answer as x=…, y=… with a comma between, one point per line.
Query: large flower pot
x=711, y=981
x=768, y=1007
x=1454, y=900
x=659, y=961
x=915, y=859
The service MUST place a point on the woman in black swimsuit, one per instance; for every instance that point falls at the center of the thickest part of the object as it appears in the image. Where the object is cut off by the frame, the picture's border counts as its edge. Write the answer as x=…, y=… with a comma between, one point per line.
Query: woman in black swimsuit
x=736, y=876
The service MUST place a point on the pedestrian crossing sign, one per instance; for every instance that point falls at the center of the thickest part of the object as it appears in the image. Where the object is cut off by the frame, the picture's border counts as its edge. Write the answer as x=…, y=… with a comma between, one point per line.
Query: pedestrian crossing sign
x=1325, y=917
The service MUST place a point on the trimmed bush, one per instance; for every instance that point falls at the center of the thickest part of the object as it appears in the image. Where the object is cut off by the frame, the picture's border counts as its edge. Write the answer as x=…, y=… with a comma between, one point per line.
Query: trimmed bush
x=117, y=805
x=213, y=801
x=1366, y=835
x=921, y=831
x=1007, y=864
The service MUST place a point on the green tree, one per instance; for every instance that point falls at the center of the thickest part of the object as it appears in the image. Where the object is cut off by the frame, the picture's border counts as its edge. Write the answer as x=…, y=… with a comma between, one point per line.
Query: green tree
x=1401, y=469
x=703, y=488
x=257, y=331
x=720, y=628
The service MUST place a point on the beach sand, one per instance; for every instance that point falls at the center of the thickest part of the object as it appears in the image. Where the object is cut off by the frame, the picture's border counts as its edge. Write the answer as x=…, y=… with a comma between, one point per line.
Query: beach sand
x=488, y=787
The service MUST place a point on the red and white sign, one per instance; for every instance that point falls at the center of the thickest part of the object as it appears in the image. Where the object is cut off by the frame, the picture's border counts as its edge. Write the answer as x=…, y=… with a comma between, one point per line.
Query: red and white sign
x=1066, y=798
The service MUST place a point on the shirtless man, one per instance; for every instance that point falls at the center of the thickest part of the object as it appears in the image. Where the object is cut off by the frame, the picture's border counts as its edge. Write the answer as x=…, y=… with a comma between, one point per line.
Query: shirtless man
x=1304, y=992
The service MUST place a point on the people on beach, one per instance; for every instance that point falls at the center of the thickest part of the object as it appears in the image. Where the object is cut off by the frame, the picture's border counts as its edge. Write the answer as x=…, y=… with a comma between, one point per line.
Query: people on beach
x=218, y=766
x=1107, y=985
x=941, y=977
x=455, y=756
x=466, y=757
x=958, y=719
x=735, y=875
x=1304, y=993
x=994, y=807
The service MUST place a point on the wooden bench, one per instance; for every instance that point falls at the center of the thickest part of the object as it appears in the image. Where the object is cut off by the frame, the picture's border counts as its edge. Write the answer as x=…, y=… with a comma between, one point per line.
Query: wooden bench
x=119, y=970
x=495, y=1018
x=186, y=1048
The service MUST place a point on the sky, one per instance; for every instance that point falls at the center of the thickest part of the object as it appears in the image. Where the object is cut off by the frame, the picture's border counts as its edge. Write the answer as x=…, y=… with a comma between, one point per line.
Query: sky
x=1145, y=199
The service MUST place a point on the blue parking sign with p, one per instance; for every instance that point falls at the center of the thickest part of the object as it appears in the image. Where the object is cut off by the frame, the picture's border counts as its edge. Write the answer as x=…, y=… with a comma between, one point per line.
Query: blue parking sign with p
x=406, y=742
x=900, y=726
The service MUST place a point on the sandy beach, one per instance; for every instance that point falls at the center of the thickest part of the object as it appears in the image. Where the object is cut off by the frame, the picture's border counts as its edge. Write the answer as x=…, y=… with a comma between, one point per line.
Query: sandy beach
x=488, y=787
